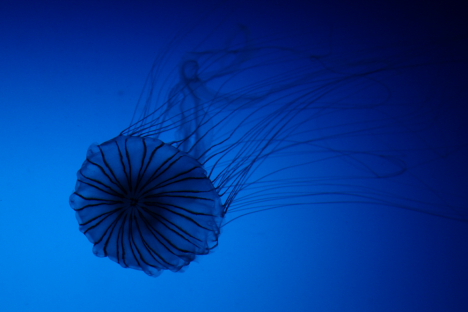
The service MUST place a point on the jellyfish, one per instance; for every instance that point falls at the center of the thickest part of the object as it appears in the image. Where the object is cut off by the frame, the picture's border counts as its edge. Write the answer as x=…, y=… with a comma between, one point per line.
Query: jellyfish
x=214, y=144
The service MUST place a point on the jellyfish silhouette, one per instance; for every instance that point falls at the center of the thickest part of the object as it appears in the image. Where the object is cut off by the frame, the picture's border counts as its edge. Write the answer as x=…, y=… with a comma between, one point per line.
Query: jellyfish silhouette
x=214, y=144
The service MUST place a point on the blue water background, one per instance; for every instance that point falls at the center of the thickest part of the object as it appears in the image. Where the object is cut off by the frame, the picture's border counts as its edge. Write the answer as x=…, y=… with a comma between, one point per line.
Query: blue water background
x=70, y=75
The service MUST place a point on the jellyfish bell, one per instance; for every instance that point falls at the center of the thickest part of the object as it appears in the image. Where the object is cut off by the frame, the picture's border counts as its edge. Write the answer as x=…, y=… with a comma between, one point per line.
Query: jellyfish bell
x=248, y=126
x=146, y=205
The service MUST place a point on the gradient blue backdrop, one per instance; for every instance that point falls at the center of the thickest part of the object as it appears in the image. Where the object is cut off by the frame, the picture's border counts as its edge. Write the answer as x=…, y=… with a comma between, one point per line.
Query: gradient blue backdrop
x=70, y=75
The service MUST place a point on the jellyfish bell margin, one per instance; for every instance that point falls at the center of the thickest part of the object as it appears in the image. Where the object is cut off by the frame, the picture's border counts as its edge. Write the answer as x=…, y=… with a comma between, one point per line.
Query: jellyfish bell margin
x=146, y=205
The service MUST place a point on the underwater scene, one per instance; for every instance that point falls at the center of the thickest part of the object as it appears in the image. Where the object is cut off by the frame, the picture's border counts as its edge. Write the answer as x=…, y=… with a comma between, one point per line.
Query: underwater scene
x=220, y=155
